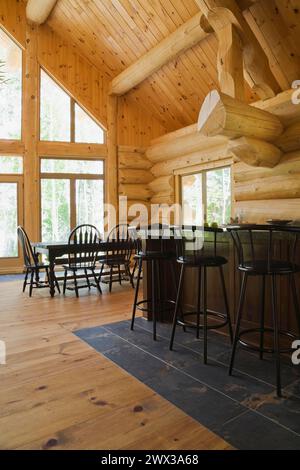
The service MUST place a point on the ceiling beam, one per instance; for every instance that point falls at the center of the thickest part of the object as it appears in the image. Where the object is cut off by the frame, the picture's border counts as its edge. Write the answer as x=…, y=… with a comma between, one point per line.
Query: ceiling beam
x=219, y=13
x=37, y=11
x=185, y=37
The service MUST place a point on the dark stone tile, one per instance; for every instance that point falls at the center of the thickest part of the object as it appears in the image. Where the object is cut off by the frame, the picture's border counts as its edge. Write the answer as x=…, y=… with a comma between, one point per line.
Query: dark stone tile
x=87, y=333
x=251, y=431
x=137, y=362
x=180, y=358
x=264, y=370
x=240, y=387
x=293, y=388
x=205, y=405
x=284, y=411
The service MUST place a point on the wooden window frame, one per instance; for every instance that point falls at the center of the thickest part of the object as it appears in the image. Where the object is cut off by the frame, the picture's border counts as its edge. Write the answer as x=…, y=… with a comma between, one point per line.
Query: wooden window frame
x=73, y=102
x=72, y=177
x=202, y=169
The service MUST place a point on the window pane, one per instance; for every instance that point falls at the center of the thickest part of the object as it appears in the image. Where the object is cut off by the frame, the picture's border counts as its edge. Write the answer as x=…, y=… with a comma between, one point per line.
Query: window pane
x=55, y=111
x=89, y=203
x=192, y=199
x=9, y=220
x=55, y=209
x=218, y=196
x=9, y=165
x=11, y=89
x=49, y=165
x=86, y=130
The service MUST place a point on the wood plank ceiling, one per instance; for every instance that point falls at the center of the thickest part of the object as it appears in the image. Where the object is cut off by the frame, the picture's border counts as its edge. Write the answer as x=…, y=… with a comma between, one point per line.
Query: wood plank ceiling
x=115, y=33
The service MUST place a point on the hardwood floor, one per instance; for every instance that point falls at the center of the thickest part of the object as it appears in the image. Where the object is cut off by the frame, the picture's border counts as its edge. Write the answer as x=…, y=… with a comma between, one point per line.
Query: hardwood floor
x=58, y=393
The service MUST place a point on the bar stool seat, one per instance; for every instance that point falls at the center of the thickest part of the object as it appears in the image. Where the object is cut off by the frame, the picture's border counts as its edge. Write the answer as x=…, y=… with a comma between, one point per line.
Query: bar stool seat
x=191, y=260
x=261, y=262
x=264, y=267
x=155, y=303
x=199, y=257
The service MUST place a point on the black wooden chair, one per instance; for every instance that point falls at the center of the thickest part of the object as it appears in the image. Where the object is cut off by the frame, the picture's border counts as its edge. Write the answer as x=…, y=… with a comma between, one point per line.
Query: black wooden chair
x=32, y=265
x=118, y=255
x=258, y=250
x=197, y=249
x=83, y=257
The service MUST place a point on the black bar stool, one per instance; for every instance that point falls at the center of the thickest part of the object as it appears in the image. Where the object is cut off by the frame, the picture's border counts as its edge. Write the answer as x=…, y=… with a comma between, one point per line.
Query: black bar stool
x=255, y=246
x=197, y=249
x=155, y=304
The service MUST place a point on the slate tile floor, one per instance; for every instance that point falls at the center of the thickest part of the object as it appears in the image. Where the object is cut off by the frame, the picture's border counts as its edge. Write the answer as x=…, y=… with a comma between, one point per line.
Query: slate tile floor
x=242, y=409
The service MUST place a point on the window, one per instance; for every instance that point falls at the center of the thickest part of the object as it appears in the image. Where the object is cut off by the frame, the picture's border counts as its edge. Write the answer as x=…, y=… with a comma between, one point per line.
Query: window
x=11, y=88
x=11, y=165
x=11, y=203
x=72, y=193
x=206, y=196
x=55, y=111
x=62, y=119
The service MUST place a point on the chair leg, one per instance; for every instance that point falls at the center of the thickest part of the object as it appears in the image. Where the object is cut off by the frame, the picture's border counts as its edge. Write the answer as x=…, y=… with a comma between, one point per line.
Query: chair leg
x=262, y=318
x=175, y=289
x=76, y=285
x=97, y=281
x=276, y=336
x=159, y=300
x=153, y=298
x=119, y=273
x=296, y=301
x=226, y=302
x=65, y=281
x=136, y=293
x=31, y=283
x=87, y=279
x=110, y=278
x=180, y=285
x=238, y=321
x=127, y=269
x=101, y=271
x=56, y=283
x=25, y=280
x=199, y=302
x=205, y=312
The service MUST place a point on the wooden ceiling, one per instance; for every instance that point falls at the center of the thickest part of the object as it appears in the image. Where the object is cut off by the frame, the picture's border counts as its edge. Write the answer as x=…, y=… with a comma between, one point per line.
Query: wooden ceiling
x=113, y=34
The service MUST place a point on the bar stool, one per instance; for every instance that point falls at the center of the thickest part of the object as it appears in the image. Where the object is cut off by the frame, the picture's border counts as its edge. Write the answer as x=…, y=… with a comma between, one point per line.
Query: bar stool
x=154, y=257
x=194, y=251
x=255, y=246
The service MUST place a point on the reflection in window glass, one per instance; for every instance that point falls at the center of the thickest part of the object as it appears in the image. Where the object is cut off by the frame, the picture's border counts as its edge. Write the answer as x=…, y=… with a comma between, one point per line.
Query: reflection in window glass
x=86, y=130
x=55, y=111
x=88, y=167
x=55, y=197
x=192, y=199
x=218, y=190
x=10, y=165
x=9, y=220
x=89, y=203
x=11, y=89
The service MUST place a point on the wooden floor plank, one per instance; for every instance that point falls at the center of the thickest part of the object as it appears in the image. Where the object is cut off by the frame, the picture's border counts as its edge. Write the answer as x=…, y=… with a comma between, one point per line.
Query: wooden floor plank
x=56, y=392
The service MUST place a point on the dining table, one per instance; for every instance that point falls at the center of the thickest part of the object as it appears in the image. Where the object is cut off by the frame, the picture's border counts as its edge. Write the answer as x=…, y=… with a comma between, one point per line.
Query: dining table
x=57, y=253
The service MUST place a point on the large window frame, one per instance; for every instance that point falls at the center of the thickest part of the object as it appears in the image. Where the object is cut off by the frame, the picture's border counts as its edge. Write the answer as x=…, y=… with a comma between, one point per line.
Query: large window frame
x=73, y=103
x=202, y=169
x=72, y=177
x=13, y=262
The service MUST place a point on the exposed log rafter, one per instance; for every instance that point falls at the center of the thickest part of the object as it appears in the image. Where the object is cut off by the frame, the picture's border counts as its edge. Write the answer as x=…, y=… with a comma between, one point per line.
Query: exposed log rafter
x=219, y=14
x=185, y=37
x=37, y=11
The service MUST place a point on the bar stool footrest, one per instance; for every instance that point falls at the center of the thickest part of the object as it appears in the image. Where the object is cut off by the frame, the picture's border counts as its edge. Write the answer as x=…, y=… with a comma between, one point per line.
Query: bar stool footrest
x=168, y=305
x=252, y=347
x=211, y=313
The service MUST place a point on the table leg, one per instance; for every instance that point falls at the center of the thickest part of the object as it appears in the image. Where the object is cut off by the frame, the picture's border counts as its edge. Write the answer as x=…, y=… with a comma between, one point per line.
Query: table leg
x=51, y=276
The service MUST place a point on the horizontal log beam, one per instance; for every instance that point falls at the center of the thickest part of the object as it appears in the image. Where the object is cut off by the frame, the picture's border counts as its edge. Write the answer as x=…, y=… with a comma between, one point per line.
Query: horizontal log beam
x=185, y=37
x=135, y=191
x=135, y=176
x=222, y=115
x=290, y=139
x=162, y=184
x=255, y=152
x=37, y=11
